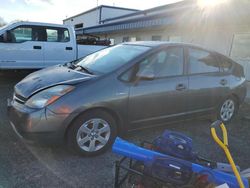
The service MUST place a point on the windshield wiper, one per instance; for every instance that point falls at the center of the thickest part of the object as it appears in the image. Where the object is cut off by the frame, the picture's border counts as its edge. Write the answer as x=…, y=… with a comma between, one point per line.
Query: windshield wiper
x=70, y=65
x=85, y=69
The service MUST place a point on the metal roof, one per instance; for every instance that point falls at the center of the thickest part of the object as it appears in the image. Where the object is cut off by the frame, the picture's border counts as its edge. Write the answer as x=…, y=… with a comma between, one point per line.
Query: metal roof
x=143, y=21
x=188, y=13
x=140, y=23
x=168, y=7
x=99, y=7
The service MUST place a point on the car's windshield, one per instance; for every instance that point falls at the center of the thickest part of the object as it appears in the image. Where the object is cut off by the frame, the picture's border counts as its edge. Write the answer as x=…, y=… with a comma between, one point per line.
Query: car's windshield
x=109, y=59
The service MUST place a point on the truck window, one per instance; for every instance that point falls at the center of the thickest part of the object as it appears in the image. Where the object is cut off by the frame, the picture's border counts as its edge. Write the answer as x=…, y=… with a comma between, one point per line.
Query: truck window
x=26, y=33
x=21, y=34
x=57, y=35
x=38, y=34
x=52, y=35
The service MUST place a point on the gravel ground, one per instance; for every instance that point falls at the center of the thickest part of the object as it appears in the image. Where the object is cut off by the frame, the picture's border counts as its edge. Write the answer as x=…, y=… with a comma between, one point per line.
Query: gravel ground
x=23, y=165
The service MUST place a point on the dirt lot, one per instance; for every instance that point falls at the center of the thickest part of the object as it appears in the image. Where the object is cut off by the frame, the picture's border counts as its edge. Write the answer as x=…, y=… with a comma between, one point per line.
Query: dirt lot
x=23, y=165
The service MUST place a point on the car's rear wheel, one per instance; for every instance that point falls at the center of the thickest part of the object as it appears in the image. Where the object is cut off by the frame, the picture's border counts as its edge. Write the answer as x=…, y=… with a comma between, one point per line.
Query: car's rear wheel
x=227, y=109
x=92, y=133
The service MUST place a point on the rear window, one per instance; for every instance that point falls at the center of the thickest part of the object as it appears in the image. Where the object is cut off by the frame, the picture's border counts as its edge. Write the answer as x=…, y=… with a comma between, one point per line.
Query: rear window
x=57, y=35
x=225, y=63
x=201, y=61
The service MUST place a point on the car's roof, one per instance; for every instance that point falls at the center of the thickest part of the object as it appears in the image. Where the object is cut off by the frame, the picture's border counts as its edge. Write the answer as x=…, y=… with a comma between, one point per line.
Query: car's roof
x=155, y=44
x=148, y=43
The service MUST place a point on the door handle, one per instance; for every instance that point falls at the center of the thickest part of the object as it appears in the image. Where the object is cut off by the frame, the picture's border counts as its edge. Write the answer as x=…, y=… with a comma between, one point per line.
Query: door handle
x=180, y=87
x=68, y=48
x=223, y=82
x=37, y=47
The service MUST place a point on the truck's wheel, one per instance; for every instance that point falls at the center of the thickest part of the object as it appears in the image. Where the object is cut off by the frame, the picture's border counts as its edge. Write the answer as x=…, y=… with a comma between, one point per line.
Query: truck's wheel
x=227, y=109
x=92, y=133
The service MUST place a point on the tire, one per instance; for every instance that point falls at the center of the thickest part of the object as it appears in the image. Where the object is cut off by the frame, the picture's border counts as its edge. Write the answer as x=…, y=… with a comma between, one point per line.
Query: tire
x=228, y=109
x=92, y=133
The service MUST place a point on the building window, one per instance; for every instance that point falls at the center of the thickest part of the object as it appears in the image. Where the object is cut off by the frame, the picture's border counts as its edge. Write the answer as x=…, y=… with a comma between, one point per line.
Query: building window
x=79, y=25
x=125, y=39
x=112, y=42
x=175, y=38
x=241, y=46
x=156, y=38
x=138, y=38
x=133, y=39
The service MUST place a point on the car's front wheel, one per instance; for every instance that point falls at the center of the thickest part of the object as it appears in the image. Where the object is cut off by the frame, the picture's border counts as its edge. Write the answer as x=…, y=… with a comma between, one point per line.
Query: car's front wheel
x=227, y=109
x=92, y=133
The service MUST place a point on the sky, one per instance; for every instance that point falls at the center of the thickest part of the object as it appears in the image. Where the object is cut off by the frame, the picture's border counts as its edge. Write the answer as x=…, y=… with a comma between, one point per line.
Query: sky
x=54, y=11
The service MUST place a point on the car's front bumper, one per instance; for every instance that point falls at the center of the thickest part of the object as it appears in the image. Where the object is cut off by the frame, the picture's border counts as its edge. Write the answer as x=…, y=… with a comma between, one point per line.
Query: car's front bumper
x=32, y=125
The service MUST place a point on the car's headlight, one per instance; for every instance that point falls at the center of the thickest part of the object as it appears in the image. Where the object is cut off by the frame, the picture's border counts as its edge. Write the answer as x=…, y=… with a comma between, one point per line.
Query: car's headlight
x=48, y=96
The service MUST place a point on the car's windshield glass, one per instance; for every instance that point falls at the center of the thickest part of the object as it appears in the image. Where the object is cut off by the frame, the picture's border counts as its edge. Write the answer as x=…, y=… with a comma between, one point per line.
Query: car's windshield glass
x=109, y=59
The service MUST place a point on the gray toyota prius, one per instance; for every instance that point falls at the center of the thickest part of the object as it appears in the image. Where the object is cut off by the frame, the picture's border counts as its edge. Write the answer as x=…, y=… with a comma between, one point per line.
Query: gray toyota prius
x=87, y=103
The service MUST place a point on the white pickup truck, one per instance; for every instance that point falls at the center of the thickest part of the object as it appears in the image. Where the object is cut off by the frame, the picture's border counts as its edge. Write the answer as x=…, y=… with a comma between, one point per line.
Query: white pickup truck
x=34, y=45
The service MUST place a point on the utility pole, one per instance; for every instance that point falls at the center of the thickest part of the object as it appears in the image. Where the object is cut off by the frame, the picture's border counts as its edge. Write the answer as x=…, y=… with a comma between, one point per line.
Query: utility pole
x=97, y=3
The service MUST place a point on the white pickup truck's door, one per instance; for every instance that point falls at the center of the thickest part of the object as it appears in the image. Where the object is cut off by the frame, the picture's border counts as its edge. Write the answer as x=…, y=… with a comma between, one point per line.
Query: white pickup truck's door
x=59, y=47
x=21, y=51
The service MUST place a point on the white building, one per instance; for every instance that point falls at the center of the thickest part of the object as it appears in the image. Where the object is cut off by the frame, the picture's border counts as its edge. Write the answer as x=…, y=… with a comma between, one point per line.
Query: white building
x=96, y=15
x=224, y=28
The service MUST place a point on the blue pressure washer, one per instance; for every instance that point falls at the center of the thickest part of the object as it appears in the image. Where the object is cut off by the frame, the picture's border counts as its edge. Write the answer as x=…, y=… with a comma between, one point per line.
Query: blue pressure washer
x=171, y=159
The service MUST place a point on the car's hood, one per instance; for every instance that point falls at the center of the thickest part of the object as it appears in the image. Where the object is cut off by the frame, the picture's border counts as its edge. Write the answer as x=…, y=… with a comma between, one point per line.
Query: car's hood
x=48, y=77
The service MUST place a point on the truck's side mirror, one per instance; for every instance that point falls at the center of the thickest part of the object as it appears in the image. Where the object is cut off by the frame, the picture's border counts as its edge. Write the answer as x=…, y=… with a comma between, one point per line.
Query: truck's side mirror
x=7, y=37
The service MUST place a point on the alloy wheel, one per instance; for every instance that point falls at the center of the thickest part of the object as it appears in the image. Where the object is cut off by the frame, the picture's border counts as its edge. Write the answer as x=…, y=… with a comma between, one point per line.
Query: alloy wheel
x=227, y=110
x=93, y=135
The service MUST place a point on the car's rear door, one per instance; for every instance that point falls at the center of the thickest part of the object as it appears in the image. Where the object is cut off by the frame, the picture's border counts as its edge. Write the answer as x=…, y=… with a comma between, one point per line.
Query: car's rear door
x=155, y=101
x=59, y=47
x=207, y=84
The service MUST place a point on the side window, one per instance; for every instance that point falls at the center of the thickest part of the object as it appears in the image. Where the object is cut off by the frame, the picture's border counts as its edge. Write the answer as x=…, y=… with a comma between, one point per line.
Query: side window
x=202, y=62
x=128, y=75
x=125, y=39
x=38, y=34
x=165, y=63
x=52, y=35
x=156, y=38
x=65, y=35
x=21, y=34
x=57, y=35
x=26, y=33
x=225, y=63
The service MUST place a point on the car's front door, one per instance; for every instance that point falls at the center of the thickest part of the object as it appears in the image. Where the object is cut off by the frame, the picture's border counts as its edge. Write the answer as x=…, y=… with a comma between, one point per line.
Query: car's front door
x=23, y=49
x=207, y=85
x=159, y=92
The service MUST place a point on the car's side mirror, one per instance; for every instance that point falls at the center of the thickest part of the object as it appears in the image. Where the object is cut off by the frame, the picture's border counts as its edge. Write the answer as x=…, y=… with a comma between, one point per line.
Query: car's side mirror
x=146, y=74
x=7, y=36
